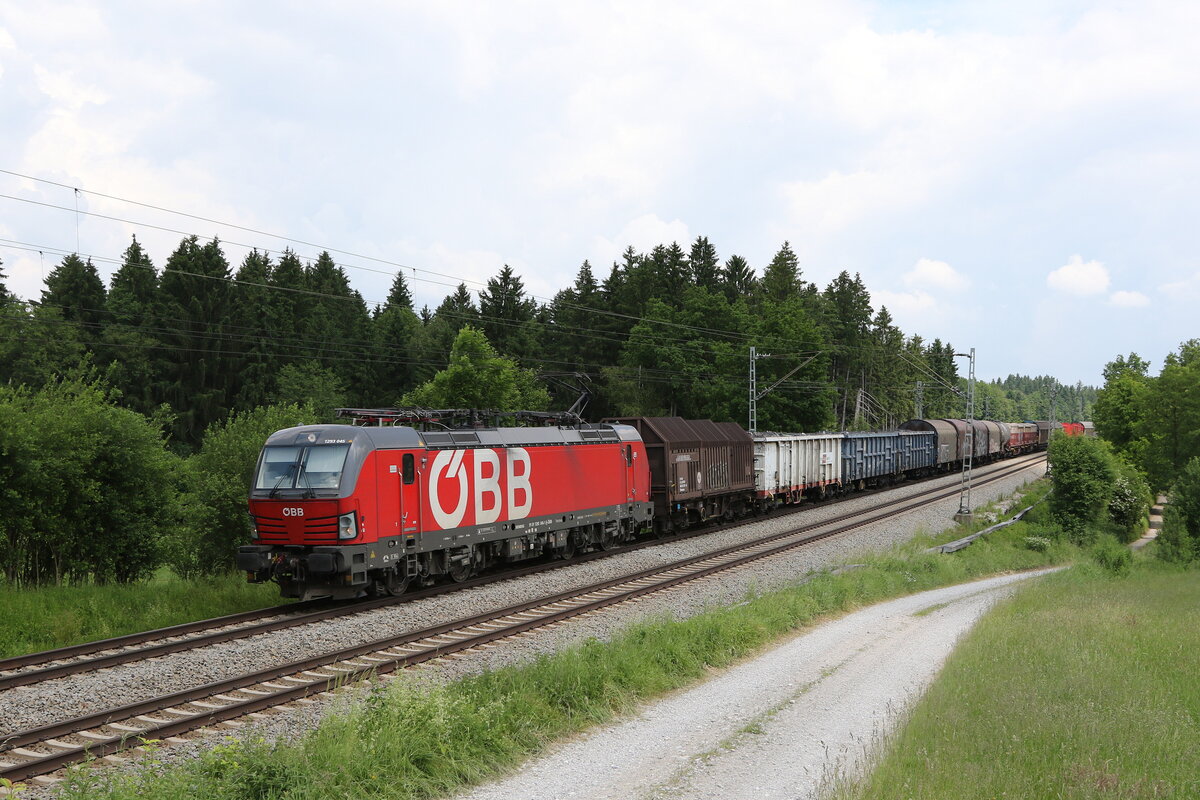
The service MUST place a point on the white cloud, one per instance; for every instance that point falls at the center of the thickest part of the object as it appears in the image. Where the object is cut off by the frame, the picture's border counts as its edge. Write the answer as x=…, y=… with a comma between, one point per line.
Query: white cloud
x=1079, y=277
x=1125, y=299
x=67, y=90
x=643, y=233
x=929, y=273
x=1188, y=288
x=905, y=305
x=838, y=200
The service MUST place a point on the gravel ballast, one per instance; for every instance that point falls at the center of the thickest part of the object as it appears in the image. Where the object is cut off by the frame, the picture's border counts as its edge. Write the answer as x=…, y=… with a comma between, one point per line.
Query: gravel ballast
x=42, y=704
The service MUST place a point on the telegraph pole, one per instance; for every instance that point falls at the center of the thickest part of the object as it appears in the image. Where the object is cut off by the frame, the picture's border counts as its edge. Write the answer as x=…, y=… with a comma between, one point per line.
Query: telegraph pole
x=1053, y=421
x=964, y=496
x=756, y=395
x=1053, y=402
x=753, y=392
x=919, y=403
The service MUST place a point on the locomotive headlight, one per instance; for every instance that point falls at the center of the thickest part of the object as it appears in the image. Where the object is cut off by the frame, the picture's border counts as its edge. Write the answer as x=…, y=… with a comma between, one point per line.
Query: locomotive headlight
x=347, y=526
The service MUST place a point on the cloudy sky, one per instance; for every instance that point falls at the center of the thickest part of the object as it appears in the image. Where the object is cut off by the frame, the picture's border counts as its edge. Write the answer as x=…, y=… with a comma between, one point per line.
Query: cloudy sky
x=1018, y=177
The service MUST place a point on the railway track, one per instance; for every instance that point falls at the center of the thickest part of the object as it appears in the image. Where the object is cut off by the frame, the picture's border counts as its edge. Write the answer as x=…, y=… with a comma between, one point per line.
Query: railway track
x=44, y=750
x=47, y=665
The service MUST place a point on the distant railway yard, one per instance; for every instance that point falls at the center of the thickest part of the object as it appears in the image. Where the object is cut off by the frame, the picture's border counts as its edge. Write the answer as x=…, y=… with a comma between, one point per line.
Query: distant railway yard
x=268, y=675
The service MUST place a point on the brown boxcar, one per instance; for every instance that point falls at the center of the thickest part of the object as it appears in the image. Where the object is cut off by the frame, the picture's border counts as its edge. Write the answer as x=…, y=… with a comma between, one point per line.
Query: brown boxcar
x=995, y=438
x=1043, y=428
x=698, y=469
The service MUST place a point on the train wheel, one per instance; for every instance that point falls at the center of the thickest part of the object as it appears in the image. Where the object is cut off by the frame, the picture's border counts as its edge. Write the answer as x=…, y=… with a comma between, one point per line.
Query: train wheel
x=606, y=539
x=460, y=571
x=392, y=585
x=568, y=550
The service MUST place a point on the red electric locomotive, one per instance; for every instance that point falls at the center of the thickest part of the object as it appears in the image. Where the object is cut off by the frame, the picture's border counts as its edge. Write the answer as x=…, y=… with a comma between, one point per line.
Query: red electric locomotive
x=341, y=509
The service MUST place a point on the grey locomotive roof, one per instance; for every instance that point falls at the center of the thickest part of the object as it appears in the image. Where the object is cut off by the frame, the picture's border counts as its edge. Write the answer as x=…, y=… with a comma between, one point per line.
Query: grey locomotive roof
x=329, y=434
x=397, y=437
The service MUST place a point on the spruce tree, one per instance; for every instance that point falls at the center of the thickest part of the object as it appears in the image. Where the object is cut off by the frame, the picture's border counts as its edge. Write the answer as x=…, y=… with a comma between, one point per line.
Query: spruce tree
x=338, y=324
x=254, y=342
x=781, y=278
x=505, y=313
x=195, y=366
x=571, y=311
x=848, y=309
x=737, y=279
x=75, y=289
x=399, y=296
x=458, y=308
x=706, y=268
x=287, y=310
x=132, y=347
x=133, y=289
x=395, y=329
x=669, y=273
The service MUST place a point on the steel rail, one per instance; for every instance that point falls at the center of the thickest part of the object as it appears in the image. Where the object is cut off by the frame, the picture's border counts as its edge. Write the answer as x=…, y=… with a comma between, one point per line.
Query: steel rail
x=439, y=641
x=71, y=663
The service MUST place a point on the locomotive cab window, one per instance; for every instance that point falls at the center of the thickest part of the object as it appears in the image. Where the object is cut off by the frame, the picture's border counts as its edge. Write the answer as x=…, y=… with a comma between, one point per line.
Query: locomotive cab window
x=305, y=468
x=408, y=468
x=629, y=455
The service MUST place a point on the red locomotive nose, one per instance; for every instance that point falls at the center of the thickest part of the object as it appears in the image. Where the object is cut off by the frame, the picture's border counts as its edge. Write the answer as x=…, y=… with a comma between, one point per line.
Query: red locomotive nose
x=295, y=521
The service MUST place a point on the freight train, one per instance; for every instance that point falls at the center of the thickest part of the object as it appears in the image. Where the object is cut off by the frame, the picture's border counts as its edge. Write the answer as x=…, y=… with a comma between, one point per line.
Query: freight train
x=341, y=510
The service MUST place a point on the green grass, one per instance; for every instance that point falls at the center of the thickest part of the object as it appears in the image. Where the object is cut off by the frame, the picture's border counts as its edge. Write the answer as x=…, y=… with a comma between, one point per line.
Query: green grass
x=56, y=616
x=409, y=743
x=1084, y=685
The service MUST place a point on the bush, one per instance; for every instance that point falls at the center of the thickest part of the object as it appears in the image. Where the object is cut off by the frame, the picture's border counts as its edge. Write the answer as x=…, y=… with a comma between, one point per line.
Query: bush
x=218, y=481
x=1130, y=501
x=1038, y=544
x=1083, y=471
x=1114, y=557
x=88, y=488
x=1174, y=542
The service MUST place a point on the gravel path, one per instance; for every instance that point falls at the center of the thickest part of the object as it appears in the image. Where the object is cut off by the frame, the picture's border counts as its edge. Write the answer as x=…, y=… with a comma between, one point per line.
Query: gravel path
x=31, y=706
x=781, y=726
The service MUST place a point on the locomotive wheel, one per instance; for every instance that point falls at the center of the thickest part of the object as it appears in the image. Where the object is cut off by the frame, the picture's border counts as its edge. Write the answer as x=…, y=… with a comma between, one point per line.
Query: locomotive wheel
x=607, y=540
x=390, y=586
x=568, y=550
x=460, y=571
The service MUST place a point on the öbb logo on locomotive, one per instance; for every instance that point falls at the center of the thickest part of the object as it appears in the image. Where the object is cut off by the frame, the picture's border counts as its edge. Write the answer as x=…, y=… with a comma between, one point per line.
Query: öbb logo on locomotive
x=293, y=512
x=449, y=481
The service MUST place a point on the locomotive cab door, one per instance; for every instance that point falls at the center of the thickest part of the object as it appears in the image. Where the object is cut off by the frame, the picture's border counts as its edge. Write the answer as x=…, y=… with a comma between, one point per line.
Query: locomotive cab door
x=630, y=485
x=410, y=496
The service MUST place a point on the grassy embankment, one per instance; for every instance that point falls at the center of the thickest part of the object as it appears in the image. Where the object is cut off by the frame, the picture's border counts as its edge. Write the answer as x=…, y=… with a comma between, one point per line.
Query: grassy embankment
x=1082, y=686
x=56, y=616
x=404, y=743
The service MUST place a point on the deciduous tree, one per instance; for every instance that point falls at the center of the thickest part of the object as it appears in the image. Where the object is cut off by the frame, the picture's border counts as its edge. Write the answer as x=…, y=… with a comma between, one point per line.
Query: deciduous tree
x=478, y=377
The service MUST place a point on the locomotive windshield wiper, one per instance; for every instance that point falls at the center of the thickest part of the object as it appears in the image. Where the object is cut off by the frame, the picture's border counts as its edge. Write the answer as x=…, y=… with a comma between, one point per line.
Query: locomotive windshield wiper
x=309, y=493
x=275, y=488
